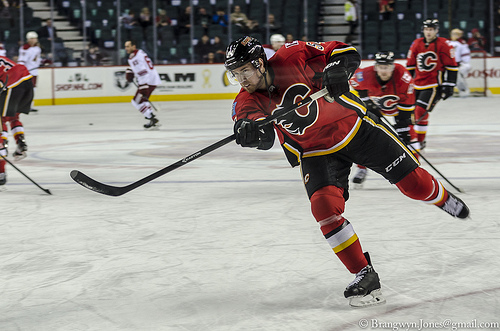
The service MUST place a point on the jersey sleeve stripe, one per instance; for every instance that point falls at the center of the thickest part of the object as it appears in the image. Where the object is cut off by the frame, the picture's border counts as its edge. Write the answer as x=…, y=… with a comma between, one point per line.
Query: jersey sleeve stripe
x=342, y=50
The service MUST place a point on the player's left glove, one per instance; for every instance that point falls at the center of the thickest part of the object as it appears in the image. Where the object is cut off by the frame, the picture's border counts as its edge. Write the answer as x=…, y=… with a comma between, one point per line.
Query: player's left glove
x=336, y=77
x=129, y=75
x=446, y=91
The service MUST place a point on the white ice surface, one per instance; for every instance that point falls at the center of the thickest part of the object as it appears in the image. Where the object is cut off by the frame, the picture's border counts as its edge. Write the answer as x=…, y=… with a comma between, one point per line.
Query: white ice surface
x=228, y=242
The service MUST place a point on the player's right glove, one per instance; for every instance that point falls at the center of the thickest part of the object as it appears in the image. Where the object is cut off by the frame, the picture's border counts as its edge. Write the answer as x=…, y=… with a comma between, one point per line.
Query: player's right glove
x=336, y=77
x=446, y=91
x=129, y=75
x=248, y=134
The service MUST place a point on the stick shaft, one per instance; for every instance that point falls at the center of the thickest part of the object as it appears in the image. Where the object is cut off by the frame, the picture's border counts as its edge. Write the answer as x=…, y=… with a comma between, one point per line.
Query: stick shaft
x=106, y=189
x=22, y=173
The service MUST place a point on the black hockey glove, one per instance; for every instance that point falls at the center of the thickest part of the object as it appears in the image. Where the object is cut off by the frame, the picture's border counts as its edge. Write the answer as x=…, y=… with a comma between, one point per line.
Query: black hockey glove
x=402, y=127
x=336, y=77
x=446, y=91
x=248, y=134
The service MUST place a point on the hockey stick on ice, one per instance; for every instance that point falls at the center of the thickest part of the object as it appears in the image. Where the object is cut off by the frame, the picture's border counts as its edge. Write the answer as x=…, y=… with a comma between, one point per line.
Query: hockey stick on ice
x=419, y=154
x=106, y=189
x=22, y=173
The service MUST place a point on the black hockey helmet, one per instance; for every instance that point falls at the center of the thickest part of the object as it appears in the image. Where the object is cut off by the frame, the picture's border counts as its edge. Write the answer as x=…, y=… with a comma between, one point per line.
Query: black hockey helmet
x=245, y=49
x=384, y=57
x=431, y=23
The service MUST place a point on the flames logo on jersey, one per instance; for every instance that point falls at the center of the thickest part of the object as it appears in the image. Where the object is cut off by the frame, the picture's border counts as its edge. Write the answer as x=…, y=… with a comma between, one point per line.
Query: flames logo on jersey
x=427, y=61
x=387, y=102
x=299, y=120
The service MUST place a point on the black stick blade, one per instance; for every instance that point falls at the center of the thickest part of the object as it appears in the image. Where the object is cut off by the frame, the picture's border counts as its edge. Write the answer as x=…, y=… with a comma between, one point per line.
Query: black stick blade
x=96, y=186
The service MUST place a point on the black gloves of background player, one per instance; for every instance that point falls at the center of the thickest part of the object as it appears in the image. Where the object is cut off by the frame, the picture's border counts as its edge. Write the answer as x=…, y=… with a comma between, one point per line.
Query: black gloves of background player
x=402, y=126
x=373, y=108
x=248, y=134
x=336, y=77
x=446, y=91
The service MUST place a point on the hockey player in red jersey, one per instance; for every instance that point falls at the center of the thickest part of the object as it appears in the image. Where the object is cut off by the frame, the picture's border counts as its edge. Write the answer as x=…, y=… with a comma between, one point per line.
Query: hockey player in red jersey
x=16, y=97
x=325, y=137
x=431, y=61
x=141, y=68
x=387, y=89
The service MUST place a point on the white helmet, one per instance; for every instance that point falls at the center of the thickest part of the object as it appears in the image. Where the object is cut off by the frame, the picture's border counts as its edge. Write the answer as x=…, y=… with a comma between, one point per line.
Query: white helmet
x=277, y=38
x=31, y=35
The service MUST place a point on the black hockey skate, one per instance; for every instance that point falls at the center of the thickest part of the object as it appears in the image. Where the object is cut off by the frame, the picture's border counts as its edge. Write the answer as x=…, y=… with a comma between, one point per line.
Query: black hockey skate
x=22, y=147
x=365, y=290
x=360, y=176
x=3, y=178
x=153, y=123
x=455, y=207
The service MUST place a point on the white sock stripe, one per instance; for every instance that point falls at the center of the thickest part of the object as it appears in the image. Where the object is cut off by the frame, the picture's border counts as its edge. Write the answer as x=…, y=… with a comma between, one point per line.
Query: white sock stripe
x=341, y=236
x=439, y=196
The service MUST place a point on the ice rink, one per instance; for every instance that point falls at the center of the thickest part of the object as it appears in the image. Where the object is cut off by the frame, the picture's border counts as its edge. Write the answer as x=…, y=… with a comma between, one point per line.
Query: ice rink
x=228, y=241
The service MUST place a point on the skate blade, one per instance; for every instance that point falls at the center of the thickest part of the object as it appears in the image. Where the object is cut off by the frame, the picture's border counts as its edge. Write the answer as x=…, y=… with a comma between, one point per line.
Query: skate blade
x=153, y=128
x=374, y=298
x=357, y=186
x=19, y=157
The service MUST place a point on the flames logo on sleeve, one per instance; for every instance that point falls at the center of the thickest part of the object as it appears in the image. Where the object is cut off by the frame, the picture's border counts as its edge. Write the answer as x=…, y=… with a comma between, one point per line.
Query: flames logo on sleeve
x=427, y=61
x=299, y=120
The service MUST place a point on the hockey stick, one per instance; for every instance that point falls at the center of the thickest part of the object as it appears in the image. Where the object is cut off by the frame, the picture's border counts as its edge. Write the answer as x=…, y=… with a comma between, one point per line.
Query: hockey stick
x=22, y=173
x=4, y=84
x=102, y=188
x=419, y=154
x=146, y=98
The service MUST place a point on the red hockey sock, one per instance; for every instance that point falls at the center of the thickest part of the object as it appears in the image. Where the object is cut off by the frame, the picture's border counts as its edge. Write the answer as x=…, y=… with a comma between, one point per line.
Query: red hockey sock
x=327, y=205
x=420, y=185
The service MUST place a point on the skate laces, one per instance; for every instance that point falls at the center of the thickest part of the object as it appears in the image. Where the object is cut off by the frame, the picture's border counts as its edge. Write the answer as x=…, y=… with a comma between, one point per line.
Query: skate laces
x=359, y=276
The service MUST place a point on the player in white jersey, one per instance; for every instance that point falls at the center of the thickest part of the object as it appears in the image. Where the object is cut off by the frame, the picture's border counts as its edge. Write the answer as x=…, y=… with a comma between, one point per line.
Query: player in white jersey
x=30, y=55
x=462, y=56
x=141, y=67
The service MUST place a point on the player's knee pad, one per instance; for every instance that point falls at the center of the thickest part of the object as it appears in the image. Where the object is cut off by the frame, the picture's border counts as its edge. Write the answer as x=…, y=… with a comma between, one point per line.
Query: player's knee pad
x=327, y=206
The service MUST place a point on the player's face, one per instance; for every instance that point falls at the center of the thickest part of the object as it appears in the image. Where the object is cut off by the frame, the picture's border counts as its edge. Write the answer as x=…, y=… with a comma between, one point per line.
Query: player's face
x=128, y=47
x=430, y=33
x=384, y=71
x=249, y=77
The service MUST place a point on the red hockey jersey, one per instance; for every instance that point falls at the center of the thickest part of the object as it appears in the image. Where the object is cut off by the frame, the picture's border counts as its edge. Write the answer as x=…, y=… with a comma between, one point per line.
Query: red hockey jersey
x=17, y=72
x=315, y=129
x=395, y=95
x=430, y=60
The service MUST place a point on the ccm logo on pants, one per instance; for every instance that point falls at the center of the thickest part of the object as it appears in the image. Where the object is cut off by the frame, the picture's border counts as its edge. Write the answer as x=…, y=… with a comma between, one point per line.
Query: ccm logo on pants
x=395, y=163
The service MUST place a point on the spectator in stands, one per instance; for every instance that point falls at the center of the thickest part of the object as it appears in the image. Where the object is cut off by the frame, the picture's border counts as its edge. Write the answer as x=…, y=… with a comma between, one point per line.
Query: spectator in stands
x=129, y=21
x=3, y=52
x=289, y=38
x=184, y=23
x=386, y=7
x=351, y=17
x=240, y=19
x=145, y=20
x=477, y=42
x=211, y=58
x=219, y=49
x=277, y=40
x=274, y=26
x=93, y=55
x=220, y=17
x=48, y=31
x=163, y=19
x=203, y=19
x=202, y=49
